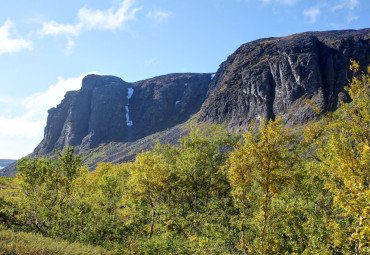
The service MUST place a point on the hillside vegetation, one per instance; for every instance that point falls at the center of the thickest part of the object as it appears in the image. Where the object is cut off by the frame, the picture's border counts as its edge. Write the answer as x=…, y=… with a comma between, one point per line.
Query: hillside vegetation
x=27, y=243
x=274, y=191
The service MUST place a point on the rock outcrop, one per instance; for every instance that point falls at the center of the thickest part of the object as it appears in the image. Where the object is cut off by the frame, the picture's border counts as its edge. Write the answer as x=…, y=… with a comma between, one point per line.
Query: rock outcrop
x=275, y=76
x=87, y=117
x=107, y=109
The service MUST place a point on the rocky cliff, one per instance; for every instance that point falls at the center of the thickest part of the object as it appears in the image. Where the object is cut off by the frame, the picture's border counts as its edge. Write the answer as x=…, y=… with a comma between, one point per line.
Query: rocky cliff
x=275, y=76
x=107, y=109
x=110, y=120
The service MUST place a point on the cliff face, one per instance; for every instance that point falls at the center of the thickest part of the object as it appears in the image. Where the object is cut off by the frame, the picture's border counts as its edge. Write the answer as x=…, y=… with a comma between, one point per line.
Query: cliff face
x=275, y=76
x=108, y=109
x=267, y=78
x=162, y=102
x=87, y=117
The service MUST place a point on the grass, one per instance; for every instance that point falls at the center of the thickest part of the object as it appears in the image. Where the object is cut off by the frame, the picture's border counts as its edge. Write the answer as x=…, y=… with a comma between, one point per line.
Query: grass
x=8, y=189
x=121, y=152
x=27, y=243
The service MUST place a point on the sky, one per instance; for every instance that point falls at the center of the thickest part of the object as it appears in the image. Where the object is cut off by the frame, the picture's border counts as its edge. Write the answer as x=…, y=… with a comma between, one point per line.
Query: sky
x=47, y=47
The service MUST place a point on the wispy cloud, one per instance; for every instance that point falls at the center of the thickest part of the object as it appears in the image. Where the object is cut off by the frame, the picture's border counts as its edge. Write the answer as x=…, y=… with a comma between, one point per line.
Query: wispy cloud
x=110, y=19
x=90, y=19
x=285, y=2
x=39, y=103
x=158, y=16
x=351, y=17
x=150, y=61
x=70, y=45
x=345, y=4
x=310, y=15
x=23, y=131
x=9, y=42
x=54, y=28
x=347, y=8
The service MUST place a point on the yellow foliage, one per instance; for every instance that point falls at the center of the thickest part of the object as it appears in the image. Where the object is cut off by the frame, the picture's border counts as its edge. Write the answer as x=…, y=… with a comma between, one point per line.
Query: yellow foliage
x=343, y=156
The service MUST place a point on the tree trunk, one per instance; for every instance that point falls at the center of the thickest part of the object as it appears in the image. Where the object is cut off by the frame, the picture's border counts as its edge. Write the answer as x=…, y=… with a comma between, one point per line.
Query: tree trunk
x=358, y=243
x=152, y=223
x=243, y=235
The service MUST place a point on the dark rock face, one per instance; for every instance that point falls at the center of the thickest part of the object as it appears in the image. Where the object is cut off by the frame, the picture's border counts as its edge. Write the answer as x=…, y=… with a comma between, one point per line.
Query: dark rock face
x=87, y=117
x=165, y=101
x=275, y=76
x=108, y=109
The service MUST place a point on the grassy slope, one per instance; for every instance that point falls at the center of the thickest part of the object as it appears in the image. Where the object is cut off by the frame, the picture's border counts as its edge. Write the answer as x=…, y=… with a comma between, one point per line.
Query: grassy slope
x=12, y=242
x=121, y=152
x=26, y=243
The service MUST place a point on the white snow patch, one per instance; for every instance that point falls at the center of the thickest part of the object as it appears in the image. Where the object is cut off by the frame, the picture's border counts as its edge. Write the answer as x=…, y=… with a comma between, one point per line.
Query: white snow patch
x=177, y=102
x=186, y=85
x=1, y=167
x=213, y=76
x=130, y=91
x=129, y=123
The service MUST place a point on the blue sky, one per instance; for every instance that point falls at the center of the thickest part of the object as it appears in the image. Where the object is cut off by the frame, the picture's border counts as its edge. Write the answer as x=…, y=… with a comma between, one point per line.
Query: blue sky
x=46, y=47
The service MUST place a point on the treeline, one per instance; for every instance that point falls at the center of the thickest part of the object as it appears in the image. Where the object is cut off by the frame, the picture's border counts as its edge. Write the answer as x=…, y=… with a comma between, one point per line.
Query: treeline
x=274, y=191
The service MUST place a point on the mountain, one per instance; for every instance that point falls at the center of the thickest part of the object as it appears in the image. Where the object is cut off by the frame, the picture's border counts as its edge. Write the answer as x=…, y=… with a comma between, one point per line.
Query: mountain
x=275, y=76
x=111, y=120
x=108, y=109
x=5, y=162
x=7, y=167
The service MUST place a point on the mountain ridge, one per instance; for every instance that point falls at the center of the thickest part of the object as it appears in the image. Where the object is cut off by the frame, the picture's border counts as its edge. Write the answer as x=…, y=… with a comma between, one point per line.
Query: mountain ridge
x=103, y=111
x=6, y=162
x=265, y=78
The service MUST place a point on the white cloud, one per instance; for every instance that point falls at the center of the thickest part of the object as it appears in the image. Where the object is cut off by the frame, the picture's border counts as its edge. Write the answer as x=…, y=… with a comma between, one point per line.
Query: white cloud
x=54, y=28
x=110, y=19
x=9, y=44
x=70, y=45
x=351, y=18
x=345, y=4
x=39, y=103
x=311, y=14
x=345, y=8
x=89, y=19
x=286, y=2
x=150, y=61
x=159, y=16
x=20, y=134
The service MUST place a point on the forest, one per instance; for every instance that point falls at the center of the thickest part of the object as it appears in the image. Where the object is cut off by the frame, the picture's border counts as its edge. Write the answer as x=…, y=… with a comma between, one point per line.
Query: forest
x=272, y=190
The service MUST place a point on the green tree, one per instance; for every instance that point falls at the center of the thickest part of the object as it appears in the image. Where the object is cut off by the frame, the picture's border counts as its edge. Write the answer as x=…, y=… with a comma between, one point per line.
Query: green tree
x=258, y=171
x=201, y=192
x=148, y=183
x=49, y=192
x=342, y=155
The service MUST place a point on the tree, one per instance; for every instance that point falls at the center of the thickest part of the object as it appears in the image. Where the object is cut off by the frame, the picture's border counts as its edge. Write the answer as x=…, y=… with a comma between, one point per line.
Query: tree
x=342, y=155
x=201, y=190
x=49, y=192
x=258, y=170
x=148, y=182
